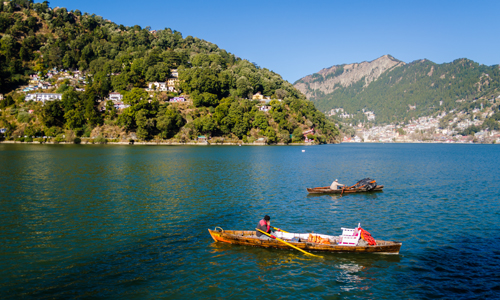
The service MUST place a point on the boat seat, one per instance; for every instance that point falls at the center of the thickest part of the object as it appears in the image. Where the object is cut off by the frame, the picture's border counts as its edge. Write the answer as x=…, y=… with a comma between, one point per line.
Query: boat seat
x=350, y=237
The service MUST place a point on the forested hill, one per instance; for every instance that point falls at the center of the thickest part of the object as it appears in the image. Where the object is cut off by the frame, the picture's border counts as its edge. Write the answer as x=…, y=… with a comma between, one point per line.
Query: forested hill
x=396, y=91
x=37, y=39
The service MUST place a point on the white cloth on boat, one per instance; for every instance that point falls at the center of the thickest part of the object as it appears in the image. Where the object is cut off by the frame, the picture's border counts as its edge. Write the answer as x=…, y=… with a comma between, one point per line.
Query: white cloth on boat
x=302, y=236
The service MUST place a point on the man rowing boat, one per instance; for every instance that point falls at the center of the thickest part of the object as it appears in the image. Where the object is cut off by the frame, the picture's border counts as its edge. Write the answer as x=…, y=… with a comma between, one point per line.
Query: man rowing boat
x=336, y=185
x=264, y=225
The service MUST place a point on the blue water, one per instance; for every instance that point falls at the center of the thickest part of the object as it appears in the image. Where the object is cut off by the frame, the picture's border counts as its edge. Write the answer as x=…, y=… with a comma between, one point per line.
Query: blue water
x=131, y=221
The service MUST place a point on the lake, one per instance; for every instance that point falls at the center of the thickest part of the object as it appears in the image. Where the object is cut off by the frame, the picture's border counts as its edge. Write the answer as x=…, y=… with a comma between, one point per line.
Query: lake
x=130, y=222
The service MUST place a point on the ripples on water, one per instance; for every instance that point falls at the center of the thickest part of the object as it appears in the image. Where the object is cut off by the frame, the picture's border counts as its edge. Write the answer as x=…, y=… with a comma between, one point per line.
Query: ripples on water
x=131, y=222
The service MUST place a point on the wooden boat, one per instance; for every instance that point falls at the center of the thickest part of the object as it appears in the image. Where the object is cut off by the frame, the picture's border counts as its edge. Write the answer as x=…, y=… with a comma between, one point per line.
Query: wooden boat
x=249, y=238
x=327, y=190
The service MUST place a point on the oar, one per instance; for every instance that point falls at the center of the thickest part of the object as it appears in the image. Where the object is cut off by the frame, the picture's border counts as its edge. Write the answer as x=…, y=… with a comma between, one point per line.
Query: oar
x=305, y=252
x=279, y=229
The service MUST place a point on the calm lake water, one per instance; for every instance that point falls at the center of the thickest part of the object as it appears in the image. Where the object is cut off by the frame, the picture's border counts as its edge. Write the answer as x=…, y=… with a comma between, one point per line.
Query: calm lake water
x=130, y=222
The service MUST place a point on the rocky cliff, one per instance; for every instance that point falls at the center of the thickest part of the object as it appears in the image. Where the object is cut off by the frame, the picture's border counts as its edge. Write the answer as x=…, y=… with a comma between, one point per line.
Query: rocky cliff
x=329, y=79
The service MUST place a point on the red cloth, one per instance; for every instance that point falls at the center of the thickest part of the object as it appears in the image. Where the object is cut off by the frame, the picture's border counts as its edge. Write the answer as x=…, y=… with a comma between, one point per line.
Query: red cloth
x=264, y=223
x=365, y=235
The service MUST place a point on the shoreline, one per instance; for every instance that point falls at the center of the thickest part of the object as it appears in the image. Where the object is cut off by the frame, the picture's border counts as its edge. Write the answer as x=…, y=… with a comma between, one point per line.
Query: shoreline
x=161, y=144
x=226, y=143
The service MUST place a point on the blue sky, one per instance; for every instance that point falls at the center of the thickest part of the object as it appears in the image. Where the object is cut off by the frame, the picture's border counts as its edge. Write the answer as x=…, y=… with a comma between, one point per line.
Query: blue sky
x=298, y=38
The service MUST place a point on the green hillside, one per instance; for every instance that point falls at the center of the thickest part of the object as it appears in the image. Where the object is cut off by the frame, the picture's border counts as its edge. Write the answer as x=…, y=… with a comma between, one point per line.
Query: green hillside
x=35, y=39
x=426, y=86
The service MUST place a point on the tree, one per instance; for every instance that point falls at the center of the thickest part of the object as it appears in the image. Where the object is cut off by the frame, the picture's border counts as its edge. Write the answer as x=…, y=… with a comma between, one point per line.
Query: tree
x=135, y=96
x=74, y=119
x=110, y=110
x=92, y=116
x=204, y=99
x=244, y=87
x=271, y=135
x=52, y=114
x=169, y=121
x=8, y=101
x=281, y=94
x=260, y=120
x=284, y=136
x=205, y=124
x=71, y=100
x=8, y=46
x=126, y=118
x=144, y=124
x=297, y=135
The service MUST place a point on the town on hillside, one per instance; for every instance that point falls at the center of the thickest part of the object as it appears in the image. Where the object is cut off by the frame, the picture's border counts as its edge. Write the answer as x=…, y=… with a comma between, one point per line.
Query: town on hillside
x=454, y=126
x=51, y=85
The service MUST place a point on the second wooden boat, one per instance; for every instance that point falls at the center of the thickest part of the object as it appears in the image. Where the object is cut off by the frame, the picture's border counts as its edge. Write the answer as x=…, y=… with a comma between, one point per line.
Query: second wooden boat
x=327, y=190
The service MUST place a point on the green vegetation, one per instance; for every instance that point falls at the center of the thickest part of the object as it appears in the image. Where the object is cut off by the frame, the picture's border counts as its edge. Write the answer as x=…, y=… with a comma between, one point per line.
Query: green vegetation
x=428, y=86
x=35, y=39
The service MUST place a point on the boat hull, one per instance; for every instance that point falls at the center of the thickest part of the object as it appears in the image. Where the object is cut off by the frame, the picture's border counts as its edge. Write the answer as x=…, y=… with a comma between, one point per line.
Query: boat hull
x=249, y=238
x=327, y=190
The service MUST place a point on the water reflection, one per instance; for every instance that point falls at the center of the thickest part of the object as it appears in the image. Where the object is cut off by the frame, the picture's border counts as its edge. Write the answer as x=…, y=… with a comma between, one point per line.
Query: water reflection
x=345, y=271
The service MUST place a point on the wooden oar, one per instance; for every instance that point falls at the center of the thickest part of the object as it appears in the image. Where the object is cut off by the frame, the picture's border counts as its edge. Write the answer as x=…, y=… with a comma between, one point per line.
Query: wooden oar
x=288, y=244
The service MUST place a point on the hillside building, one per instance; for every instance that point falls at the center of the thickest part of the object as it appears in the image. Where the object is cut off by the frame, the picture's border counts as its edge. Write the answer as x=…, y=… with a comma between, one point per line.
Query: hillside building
x=177, y=99
x=171, y=84
x=258, y=96
x=43, y=97
x=159, y=86
x=115, y=97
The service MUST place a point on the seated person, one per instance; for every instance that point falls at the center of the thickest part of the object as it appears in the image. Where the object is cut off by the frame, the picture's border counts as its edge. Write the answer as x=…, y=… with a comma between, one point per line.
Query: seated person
x=336, y=185
x=264, y=225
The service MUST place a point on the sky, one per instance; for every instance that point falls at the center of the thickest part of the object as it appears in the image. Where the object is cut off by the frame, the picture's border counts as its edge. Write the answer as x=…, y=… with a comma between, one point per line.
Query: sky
x=298, y=38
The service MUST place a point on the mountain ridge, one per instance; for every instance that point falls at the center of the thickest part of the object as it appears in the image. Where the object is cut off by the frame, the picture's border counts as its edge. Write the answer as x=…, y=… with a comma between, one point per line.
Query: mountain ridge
x=347, y=74
x=397, y=91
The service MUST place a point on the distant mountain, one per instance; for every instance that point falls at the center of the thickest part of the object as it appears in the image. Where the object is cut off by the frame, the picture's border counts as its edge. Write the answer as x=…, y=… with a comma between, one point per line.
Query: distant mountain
x=396, y=91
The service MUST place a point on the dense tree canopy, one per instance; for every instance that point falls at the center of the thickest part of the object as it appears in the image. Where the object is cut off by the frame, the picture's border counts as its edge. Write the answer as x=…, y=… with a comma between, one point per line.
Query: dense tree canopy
x=35, y=38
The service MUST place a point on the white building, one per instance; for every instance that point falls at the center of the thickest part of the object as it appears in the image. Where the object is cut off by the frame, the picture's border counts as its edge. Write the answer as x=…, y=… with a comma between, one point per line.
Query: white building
x=43, y=97
x=177, y=99
x=115, y=97
x=370, y=115
x=171, y=84
x=159, y=86
x=120, y=106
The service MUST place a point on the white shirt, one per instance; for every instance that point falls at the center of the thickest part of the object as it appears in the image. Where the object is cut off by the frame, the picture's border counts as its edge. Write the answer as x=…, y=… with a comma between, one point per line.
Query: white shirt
x=335, y=185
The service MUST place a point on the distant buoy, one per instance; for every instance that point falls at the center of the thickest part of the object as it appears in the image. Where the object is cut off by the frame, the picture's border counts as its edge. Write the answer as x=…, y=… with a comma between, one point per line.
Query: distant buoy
x=303, y=150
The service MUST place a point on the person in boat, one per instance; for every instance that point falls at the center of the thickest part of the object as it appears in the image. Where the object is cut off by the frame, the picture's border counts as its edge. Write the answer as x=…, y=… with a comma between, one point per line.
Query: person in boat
x=336, y=185
x=264, y=225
